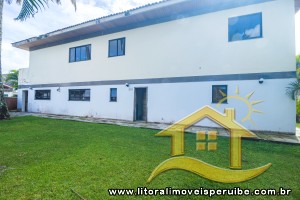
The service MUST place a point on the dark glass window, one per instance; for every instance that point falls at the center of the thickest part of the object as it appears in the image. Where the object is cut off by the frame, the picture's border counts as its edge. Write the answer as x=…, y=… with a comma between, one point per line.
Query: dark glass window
x=245, y=27
x=116, y=47
x=79, y=95
x=113, y=94
x=42, y=94
x=80, y=53
x=219, y=92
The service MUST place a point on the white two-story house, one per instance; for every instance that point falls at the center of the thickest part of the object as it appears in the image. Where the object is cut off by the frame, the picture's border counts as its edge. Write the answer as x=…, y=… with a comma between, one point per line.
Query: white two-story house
x=161, y=62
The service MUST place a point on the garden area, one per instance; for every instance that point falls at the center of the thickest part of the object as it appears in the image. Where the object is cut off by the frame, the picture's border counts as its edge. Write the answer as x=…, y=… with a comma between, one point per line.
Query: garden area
x=58, y=159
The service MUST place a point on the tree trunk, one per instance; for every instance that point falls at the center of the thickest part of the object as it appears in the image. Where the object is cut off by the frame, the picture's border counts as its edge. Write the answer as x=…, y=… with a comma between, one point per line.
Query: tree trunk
x=4, y=114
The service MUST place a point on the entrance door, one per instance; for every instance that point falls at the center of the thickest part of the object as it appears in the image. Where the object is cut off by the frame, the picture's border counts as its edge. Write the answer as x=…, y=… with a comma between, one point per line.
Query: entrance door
x=140, y=104
x=25, y=101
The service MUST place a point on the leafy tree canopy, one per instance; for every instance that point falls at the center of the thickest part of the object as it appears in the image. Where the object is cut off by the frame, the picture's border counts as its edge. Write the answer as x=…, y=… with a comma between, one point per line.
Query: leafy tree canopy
x=12, y=78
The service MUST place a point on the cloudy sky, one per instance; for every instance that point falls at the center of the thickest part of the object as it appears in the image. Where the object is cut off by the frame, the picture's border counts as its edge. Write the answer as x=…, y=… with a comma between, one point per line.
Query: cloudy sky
x=56, y=17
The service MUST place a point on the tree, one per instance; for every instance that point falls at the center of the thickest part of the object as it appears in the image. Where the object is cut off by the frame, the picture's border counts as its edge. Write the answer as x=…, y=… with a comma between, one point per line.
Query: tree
x=28, y=9
x=293, y=89
x=12, y=78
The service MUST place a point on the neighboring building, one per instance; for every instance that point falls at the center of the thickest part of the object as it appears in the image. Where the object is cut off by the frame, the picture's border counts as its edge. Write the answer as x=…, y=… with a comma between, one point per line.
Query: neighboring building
x=162, y=62
x=8, y=90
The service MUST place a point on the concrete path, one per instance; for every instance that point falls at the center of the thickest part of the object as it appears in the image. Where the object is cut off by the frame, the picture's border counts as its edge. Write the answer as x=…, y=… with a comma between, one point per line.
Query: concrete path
x=274, y=137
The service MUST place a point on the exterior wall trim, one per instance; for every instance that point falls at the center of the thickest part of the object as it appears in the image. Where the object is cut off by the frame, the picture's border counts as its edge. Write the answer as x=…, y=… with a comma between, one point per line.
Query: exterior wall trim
x=207, y=78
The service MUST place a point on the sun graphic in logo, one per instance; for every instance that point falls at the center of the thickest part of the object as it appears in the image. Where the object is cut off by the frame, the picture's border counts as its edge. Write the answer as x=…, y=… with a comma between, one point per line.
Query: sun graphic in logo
x=246, y=100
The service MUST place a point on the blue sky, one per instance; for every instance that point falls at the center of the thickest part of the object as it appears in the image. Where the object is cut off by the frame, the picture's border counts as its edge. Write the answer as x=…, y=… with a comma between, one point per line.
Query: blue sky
x=56, y=17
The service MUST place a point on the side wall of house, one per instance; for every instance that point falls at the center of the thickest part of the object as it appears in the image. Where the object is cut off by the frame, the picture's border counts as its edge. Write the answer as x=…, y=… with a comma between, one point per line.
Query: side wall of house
x=196, y=46
x=169, y=102
x=193, y=46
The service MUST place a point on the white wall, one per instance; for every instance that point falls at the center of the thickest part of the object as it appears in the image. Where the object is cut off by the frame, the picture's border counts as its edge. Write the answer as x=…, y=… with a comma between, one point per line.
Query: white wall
x=186, y=47
x=170, y=102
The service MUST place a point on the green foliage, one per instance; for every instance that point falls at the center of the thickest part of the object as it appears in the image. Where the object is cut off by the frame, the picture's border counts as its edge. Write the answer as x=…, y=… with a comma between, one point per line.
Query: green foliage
x=30, y=7
x=298, y=60
x=298, y=108
x=45, y=158
x=4, y=114
x=12, y=78
x=293, y=89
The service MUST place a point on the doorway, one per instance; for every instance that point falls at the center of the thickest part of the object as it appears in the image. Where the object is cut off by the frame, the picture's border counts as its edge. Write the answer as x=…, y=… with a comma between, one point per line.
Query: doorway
x=25, y=101
x=140, y=104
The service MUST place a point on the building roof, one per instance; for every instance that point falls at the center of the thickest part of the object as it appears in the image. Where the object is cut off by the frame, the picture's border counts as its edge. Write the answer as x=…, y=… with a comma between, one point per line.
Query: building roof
x=149, y=14
x=7, y=86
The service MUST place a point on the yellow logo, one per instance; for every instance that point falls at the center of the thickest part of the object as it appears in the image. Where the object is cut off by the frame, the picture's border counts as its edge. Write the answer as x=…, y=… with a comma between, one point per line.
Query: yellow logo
x=236, y=131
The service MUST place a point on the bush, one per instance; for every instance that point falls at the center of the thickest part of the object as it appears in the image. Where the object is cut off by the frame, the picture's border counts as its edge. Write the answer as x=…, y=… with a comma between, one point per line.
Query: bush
x=298, y=107
x=298, y=111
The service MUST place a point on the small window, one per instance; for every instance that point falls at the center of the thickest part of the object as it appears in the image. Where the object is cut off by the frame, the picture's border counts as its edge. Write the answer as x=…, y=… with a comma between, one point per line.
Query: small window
x=245, y=27
x=116, y=47
x=219, y=92
x=81, y=53
x=42, y=94
x=113, y=94
x=80, y=95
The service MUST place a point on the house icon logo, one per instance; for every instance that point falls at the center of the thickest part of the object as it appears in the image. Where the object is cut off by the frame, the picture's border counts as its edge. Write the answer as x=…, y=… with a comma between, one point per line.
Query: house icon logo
x=236, y=132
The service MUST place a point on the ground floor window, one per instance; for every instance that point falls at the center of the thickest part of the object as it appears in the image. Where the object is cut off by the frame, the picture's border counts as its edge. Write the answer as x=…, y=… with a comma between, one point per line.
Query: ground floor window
x=79, y=95
x=113, y=94
x=218, y=93
x=42, y=94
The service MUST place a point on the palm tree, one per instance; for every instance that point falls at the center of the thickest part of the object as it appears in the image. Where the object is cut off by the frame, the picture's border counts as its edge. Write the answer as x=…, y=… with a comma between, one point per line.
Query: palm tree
x=28, y=9
x=293, y=90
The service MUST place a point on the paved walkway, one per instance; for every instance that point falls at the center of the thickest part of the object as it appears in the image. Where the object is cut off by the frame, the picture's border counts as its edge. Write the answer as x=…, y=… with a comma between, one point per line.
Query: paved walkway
x=275, y=137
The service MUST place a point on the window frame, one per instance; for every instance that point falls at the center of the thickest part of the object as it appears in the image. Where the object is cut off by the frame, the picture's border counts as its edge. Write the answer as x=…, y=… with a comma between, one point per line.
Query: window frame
x=109, y=55
x=89, y=57
x=213, y=99
x=82, y=99
x=243, y=16
x=111, y=97
x=48, y=98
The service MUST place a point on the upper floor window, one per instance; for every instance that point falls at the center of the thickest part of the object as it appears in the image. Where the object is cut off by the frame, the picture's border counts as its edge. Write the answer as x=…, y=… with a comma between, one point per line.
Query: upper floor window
x=219, y=92
x=116, y=47
x=79, y=95
x=245, y=27
x=42, y=94
x=113, y=94
x=80, y=53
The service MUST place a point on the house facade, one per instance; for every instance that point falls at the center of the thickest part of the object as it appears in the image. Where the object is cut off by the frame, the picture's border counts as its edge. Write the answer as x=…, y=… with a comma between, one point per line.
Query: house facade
x=161, y=62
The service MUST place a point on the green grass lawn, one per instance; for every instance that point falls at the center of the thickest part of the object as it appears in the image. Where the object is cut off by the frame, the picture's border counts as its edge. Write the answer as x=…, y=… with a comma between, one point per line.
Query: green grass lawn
x=46, y=158
x=298, y=125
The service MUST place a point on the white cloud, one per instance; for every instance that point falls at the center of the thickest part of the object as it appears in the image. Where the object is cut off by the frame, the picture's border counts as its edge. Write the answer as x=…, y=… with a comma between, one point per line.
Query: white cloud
x=255, y=32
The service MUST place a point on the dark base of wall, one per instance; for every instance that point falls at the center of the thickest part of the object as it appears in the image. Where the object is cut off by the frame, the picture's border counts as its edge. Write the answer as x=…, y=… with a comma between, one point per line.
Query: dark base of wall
x=11, y=103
